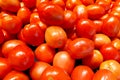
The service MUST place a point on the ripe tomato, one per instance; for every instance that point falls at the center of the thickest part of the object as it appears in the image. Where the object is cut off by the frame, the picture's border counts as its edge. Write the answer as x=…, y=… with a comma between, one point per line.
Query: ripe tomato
x=63, y=60
x=10, y=45
x=80, y=48
x=29, y=3
x=98, y=25
x=59, y=2
x=85, y=28
x=2, y=37
x=5, y=67
x=34, y=17
x=21, y=58
x=54, y=73
x=87, y=2
x=37, y=69
x=44, y=53
x=104, y=74
x=116, y=43
x=16, y=75
x=113, y=66
x=82, y=72
x=55, y=36
x=94, y=60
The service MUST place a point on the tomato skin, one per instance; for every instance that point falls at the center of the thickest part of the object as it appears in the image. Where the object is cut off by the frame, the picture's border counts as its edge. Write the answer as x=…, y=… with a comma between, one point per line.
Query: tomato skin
x=2, y=37
x=87, y=2
x=59, y=2
x=44, y=53
x=85, y=28
x=37, y=69
x=5, y=67
x=82, y=73
x=110, y=26
x=34, y=17
x=51, y=14
x=104, y=74
x=29, y=3
x=80, y=48
x=21, y=58
x=54, y=73
x=116, y=43
x=16, y=75
x=98, y=25
x=67, y=61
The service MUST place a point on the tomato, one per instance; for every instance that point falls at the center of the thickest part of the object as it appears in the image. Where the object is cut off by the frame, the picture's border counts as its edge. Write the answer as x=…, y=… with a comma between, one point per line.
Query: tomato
x=33, y=34
x=2, y=37
x=63, y=60
x=98, y=25
x=54, y=73
x=85, y=28
x=59, y=2
x=82, y=72
x=87, y=2
x=37, y=69
x=10, y=45
x=104, y=74
x=110, y=52
x=94, y=60
x=51, y=14
x=44, y=53
x=21, y=58
x=34, y=17
x=42, y=25
x=29, y=3
x=113, y=66
x=5, y=67
x=101, y=39
x=55, y=36
x=16, y=75
x=111, y=26
x=116, y=43
x=95, y=11
x=80, y=48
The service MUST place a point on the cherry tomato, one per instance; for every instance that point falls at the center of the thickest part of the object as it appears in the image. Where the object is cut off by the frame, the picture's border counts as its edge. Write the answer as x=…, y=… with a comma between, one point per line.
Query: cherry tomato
x=98, y=25
x=82, y=72
x=59, y=2
x=29, y=3
x=34, y=17
x=116, y=43
x=63, y=60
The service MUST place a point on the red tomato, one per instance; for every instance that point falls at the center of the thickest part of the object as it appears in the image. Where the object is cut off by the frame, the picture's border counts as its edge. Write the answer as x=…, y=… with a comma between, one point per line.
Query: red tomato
x=34, y=17
x=29, y=3
x=87, y=2
x=82, y=73
x=42, y=25
x=104, y=74
x=54, y=73
x=2, y=37
x=98, y=25
x=63, y=60
x=85, y=28
x=21, y=58
x=16, y=75
x=10, y=45
x=51, y=14
x=37, y=69
x=110, y=52
x=80, y=48
x=5, y=67
x=33, y=34
x=59, y=2
x=116, y=43
x=44, y=53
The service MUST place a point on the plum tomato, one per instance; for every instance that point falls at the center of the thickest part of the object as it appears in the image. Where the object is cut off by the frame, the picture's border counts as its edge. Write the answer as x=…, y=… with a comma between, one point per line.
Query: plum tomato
x=82, y=72
x=63, y=60
x=21, y=58
x=80, y=48
x=55, y=36
x=98, y=25
x=54, y=73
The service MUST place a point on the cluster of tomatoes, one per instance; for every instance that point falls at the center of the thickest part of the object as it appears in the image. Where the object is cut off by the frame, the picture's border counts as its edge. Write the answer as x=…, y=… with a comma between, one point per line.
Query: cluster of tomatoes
x=59, y=39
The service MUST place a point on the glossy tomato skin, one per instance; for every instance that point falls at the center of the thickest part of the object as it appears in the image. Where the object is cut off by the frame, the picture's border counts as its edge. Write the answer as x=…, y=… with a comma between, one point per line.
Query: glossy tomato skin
x=98, y=25
x=104, y=74
x=2, y=37
x=54, y=73
x=85, y=28
x=45, y=53
x=16, y=75
x=87, y=2
x=37, y=69
x=34, y=17
x=82, y=73
x=63, y=60
x=29, y=3
x=116, y=43
x=51, y=14
x=80, y=48
x=21, y=58
x=59, y=2
x=33, y=34
x=5, y=67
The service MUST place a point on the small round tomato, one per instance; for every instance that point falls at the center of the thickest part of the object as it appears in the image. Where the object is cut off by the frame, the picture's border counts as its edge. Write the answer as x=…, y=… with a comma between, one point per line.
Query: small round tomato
x=82, y=72
x=113, y=66
x=44, y=53
x=116, y=43
x=37, y=69
x=63, y=60
x=98, y=25
x=42, y=25
x=54, y=73
x=104, y=74
x=85, y=28
x=55, y=36
x=16, y=75
x=87, y=2
x=21, y=58
x=5, y=67
x=34, y=17
x=29, y=3
x=80, y=48
x=59, y=2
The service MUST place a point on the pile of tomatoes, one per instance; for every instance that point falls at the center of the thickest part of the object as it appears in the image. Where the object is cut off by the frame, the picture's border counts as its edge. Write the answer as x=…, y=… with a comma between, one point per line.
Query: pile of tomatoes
x=59, y=39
